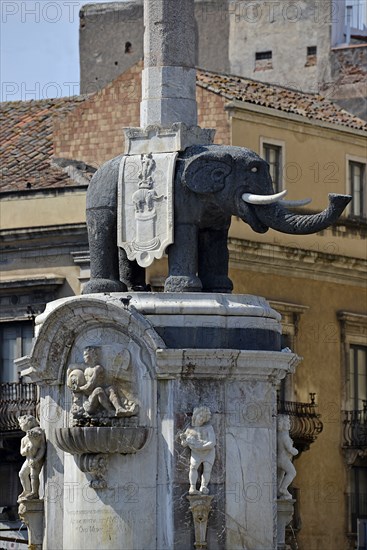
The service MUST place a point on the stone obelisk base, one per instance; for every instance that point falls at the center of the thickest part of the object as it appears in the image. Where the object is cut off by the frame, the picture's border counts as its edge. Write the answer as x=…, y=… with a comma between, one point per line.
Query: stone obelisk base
x=128, y=487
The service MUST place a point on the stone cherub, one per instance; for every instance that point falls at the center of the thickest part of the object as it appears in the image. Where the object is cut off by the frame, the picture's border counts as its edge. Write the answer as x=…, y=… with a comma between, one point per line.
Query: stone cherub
x=91, y=383
x=33, y=447
x=286, y=470
x=200, y=438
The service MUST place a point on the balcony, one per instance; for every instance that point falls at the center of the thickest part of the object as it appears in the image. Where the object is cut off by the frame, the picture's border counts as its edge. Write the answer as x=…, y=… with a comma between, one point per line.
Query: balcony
x=355, y=428
x=16, y=399
x=305, y=422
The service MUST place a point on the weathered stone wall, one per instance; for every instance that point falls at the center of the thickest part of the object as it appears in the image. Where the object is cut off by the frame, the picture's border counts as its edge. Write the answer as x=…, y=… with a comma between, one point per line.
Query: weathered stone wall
x=104, y=33
x=349, y=76
x=286, y=29
x=229, y=35
x=105, y=30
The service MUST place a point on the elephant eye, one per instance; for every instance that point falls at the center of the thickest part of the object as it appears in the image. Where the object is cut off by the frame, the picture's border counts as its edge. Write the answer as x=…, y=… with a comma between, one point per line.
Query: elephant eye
x=254, y=169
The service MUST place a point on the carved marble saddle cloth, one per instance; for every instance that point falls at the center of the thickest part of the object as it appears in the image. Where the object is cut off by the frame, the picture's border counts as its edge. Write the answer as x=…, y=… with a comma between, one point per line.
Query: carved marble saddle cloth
x=145, y=205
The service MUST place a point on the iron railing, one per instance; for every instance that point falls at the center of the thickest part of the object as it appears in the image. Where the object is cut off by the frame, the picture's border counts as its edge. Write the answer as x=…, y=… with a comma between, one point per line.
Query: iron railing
x=16, y=399
x=355, y=428
x=305, y=422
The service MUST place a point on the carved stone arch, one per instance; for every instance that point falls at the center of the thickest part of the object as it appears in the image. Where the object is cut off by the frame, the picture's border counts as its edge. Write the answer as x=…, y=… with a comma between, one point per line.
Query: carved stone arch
x=66, y=319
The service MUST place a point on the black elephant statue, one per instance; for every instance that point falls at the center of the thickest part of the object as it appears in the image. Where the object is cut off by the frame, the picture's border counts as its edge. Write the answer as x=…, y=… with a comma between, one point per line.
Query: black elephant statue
x=211, y=184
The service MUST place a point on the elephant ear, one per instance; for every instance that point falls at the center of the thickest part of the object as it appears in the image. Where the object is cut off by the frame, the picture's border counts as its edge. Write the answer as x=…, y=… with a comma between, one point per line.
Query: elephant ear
x=206, y=174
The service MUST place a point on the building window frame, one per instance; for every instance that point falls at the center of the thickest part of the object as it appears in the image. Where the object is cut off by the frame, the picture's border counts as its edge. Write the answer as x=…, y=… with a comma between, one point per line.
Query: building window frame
x=311, y=56
x=263, y=60
x=353, y=329
x=22, y=341
x=279, y=146
x=291, y=316
x=352, y=210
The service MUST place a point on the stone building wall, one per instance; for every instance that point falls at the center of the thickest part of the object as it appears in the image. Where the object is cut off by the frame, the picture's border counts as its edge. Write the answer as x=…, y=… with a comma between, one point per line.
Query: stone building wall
x=107, y=30
x=237, y=37
x=284, y=30
x=348, y=78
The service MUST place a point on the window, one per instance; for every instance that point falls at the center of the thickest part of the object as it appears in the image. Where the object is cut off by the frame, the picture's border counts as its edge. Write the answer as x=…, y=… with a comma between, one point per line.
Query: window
x=357, y=377
x=263, y=55
x=357, y=497
x=357, y=188
x=273, y=156
x=15, y=341
x=263, y=60
x=311, y=56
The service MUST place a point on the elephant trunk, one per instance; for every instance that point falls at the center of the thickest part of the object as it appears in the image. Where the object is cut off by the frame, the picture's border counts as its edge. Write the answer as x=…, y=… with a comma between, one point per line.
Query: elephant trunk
x=279, y=218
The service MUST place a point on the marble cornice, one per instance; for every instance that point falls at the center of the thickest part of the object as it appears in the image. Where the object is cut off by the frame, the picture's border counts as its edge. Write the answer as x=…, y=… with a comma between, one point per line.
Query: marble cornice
x=228, y=364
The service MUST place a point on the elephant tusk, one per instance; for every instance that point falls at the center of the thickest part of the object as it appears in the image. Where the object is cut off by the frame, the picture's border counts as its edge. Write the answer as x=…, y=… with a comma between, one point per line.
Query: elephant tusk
x=263, y=199
x=301, y=202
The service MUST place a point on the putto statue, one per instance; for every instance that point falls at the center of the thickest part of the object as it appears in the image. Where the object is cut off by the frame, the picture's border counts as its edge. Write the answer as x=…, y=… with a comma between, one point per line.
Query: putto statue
x=33, y=447
x=200, y=437
x=93, y=395
x=286, y=470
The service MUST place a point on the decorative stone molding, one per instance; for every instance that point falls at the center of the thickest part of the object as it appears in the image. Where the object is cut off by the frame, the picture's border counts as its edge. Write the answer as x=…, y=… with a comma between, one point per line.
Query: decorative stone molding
x=226, y=364
x=353, y=327
x=16, y=294
x=96, y=465
x=351, y=456
x=155, y=139
x=200, y=507
x=57, y=327
x=284, y=515
x=102, y=440
x=310, y=264
x=145, y=205
x=31, y=512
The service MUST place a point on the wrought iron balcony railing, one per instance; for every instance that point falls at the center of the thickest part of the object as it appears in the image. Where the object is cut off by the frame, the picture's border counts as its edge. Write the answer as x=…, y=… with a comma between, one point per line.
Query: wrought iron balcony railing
x=305, y=422
x=16, y=399
x=355, y=428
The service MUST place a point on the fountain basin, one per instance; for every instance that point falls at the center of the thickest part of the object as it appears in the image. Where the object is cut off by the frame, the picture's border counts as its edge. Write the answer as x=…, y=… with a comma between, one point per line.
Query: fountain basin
x=106, y=440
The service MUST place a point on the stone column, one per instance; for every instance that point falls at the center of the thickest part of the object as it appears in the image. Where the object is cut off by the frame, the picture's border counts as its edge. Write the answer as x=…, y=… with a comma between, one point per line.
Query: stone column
x=169, y=75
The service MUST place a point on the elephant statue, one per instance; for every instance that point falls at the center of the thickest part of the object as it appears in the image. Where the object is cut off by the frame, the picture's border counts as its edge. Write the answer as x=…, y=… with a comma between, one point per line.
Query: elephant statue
x=211, y=184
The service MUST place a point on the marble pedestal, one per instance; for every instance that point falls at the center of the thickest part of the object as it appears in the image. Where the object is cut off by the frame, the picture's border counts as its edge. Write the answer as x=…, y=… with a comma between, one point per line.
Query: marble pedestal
x=186, y=350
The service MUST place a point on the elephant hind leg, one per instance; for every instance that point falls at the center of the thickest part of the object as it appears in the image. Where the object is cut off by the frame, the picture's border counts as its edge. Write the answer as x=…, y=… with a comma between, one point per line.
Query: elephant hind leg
x=131, y=273
x=102, y=235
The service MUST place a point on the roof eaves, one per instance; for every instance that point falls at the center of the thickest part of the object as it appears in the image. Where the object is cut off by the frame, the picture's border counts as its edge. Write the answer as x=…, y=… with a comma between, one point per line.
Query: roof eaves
x=281, y=113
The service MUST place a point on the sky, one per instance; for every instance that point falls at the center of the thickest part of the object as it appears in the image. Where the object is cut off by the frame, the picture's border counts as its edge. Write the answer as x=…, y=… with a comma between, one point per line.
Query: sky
x=39, y=45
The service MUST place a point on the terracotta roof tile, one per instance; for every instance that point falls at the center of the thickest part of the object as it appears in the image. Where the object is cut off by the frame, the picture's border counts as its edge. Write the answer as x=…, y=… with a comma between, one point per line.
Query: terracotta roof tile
x=312, y=106
x=26, y=144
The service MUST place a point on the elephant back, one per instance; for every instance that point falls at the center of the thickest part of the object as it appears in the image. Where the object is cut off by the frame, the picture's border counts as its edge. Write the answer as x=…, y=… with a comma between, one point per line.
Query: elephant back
x=102, y=189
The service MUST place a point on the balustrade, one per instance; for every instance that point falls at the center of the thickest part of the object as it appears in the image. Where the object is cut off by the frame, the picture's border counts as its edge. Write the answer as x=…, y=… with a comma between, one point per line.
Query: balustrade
x=305, y=422
x=16, y=399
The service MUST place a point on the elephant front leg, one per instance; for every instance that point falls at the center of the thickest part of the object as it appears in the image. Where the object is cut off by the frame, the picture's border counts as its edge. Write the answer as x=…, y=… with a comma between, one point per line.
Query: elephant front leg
x=131, y=273
x=213, y=260
x=183, y=261
x=102, y=235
